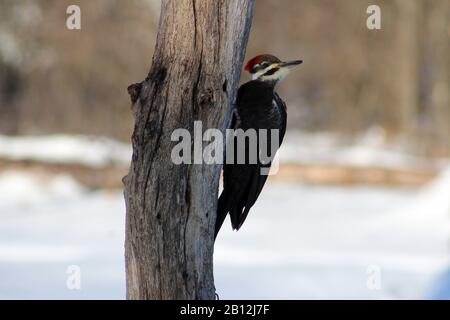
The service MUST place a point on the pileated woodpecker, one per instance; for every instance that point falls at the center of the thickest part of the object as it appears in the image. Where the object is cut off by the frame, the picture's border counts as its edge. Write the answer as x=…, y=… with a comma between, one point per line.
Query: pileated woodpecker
x=257, y=106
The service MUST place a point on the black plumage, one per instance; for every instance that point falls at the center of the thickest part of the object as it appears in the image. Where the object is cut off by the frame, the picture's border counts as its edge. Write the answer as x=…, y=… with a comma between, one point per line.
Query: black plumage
x=258, y=106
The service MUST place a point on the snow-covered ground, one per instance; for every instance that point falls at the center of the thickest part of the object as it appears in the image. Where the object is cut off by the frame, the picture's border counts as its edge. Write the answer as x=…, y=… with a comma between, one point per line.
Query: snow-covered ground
x=300, y=241
x=368, y=149
x=59, y=148
x=326, y=242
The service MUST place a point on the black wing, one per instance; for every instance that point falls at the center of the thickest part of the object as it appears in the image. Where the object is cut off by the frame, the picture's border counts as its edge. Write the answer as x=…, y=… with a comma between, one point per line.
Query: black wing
x=242, y=183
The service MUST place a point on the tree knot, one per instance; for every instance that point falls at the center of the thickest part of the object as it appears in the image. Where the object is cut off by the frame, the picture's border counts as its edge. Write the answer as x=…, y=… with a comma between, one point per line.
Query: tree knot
x=134, y=90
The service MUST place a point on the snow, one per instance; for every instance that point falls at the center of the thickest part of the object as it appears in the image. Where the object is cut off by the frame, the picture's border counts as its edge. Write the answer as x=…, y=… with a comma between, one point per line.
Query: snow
x=86, y=150
x=19, y=188
x=300, y=241
x=368, y=149
x=325, y=241
x=39, y=242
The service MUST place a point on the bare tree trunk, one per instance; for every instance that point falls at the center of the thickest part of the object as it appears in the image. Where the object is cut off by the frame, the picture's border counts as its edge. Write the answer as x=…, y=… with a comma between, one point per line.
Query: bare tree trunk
x=438, y=42
x=406, y=75
x=171, y=208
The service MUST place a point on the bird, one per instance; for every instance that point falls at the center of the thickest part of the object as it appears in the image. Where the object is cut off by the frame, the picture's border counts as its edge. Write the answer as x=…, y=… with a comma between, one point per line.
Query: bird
x=257, y=106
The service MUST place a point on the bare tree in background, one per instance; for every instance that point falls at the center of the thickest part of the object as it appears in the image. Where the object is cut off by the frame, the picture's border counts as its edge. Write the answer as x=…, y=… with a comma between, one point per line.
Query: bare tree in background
x=171, y=208
x=437, y=43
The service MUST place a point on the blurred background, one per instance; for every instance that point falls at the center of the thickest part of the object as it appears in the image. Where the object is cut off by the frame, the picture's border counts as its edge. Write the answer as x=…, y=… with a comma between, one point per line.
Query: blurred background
x=359, y=208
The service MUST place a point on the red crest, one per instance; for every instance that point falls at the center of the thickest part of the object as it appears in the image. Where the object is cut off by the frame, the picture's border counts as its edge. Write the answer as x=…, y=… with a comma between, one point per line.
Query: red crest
x=251, y=63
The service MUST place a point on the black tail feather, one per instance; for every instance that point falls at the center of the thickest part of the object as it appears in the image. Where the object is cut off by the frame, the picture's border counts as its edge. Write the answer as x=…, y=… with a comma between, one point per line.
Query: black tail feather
x=222, y=210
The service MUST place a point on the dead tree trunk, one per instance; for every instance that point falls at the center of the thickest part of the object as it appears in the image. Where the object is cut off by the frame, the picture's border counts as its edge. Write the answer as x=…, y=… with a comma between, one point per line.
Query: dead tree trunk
x=406, y=72
x=171, y=208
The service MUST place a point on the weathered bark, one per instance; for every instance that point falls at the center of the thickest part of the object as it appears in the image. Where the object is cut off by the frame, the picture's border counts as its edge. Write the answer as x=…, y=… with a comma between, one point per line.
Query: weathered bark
x=171, y=208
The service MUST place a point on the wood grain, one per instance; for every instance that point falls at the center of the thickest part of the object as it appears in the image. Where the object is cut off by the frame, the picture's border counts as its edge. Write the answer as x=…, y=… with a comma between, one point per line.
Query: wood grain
x=171, y=208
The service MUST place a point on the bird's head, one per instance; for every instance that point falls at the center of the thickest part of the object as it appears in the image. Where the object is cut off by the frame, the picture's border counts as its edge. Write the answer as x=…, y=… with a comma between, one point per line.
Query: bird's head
x=266, y=67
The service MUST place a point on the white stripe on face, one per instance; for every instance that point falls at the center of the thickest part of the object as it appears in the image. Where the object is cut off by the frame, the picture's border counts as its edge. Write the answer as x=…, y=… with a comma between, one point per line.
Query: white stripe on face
x=278, y=75
x=257, y=75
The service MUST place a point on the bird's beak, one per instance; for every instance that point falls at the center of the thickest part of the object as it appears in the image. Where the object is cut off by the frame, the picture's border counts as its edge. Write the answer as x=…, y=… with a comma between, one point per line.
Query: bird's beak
x=291, y=64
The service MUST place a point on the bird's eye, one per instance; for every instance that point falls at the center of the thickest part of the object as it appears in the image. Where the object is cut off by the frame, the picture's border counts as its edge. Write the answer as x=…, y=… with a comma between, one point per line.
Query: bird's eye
x=264, y=64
